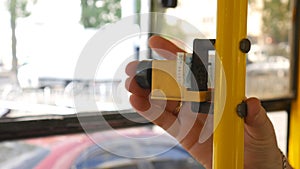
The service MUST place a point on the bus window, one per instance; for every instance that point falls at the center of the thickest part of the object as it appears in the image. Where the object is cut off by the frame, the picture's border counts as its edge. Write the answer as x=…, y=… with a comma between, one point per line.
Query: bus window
x=41, y=46
x=268, y=68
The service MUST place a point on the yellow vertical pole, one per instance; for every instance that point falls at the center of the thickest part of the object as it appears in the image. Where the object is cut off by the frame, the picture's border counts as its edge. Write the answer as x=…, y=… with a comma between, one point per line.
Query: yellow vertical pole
x=294, y=134
x=228, y=143
x=294, y=139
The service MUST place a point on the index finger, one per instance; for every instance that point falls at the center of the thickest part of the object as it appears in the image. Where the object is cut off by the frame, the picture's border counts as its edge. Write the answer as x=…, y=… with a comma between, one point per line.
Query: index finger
x=164, y=47
x=131, y=68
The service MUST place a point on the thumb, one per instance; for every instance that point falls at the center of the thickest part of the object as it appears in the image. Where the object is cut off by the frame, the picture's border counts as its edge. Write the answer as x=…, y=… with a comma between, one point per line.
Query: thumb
x=257, y=123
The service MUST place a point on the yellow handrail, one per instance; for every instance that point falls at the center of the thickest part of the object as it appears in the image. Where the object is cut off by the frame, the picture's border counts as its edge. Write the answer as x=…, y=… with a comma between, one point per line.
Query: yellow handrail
x=294, y=138
x=228, y=143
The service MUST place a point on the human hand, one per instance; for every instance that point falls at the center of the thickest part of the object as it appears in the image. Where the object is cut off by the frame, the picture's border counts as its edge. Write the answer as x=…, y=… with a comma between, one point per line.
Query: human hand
x=184, y=125
x=194, y=130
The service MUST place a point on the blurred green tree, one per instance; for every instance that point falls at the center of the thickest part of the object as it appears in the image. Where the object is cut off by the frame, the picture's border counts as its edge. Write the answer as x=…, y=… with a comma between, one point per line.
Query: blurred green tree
x=276, y=20
x=96, y=13
x=17, y=8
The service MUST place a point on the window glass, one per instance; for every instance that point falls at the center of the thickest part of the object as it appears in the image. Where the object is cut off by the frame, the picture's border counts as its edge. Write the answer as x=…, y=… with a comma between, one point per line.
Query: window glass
x=269, y=25
x=41, y=41
x=268, y=68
